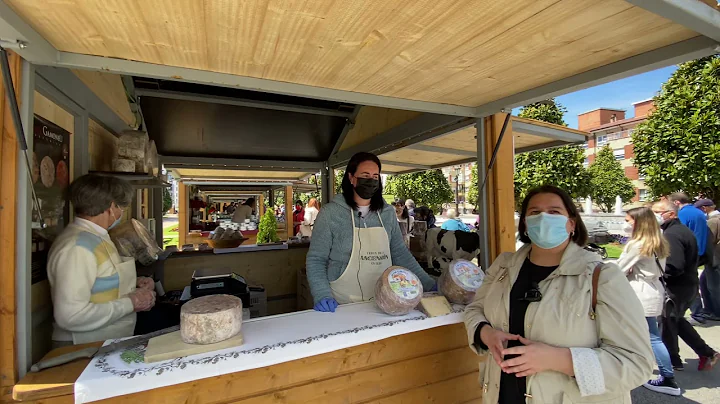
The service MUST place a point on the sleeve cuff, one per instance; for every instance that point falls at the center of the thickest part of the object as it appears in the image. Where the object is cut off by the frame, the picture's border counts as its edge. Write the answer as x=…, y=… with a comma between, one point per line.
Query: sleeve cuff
x=588, y=371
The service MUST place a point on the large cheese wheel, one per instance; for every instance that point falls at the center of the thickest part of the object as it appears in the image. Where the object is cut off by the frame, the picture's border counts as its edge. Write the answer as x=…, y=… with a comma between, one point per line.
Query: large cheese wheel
x=398, y=291
x=460, y=281
x=210, y=319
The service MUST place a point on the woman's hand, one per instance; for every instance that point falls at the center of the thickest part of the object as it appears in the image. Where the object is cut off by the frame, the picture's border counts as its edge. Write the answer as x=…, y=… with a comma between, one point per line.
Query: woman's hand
x=143, y=282
x=326, y=304
x=495, y=341
x=535, y=357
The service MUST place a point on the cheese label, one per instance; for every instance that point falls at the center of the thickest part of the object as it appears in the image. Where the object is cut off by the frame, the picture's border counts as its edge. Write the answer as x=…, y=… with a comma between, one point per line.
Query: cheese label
x=468, y=274
x=404, y=283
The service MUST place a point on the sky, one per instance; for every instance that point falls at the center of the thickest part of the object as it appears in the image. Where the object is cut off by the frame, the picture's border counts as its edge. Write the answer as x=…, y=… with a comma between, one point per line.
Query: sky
x=620, y=94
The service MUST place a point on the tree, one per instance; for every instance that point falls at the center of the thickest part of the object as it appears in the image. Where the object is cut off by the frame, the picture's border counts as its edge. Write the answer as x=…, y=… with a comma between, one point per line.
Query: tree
x=561, y=166
x=267, y=229
x=167, y=200
x=678, y=146
x=306, y=196
x=429, y=188
x=608, y=180
x=339, y=174
x=472, y=192
x=546, y=111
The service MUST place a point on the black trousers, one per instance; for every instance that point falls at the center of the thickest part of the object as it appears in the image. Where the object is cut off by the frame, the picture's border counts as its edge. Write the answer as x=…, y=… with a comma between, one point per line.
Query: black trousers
x=159, y=317
x=674, y=325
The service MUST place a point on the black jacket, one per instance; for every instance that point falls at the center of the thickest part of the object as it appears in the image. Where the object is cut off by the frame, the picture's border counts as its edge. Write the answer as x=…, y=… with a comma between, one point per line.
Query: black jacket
x=681, y=269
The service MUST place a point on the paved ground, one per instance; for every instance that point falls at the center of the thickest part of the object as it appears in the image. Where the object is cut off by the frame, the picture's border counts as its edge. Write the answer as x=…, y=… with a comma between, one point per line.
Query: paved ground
x=698, y=387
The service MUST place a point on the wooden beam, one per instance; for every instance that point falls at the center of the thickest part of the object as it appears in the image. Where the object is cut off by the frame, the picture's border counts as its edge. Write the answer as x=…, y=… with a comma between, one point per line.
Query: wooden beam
x=183, y=212
x=9, y=154
x=289, y=206
x=502, y=191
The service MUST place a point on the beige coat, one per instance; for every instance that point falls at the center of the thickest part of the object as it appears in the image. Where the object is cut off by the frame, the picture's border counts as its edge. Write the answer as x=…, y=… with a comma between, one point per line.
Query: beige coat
x=644, y=275
x=611, y=355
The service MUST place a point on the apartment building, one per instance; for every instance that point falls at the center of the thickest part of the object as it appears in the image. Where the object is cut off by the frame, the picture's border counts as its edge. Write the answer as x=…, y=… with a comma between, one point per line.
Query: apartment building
x=609, y=126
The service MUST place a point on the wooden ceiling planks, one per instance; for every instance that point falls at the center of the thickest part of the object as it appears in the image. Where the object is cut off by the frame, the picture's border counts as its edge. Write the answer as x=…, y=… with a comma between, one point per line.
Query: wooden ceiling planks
x=110, y=89
x=238, y=174
x=372, y=121
x=463, y=139
x=461, y=52
x=419, y=157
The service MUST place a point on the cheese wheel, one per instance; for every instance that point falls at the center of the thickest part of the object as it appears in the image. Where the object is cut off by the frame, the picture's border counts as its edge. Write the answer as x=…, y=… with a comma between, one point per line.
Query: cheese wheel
x=210, y=319
x=398, y=291
x=460, y=281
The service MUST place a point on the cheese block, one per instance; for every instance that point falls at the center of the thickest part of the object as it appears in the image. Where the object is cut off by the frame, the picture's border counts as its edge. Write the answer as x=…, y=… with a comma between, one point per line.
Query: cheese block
x=210, y=319
x=398, y=291
x=460, y=281
x=124, y=165
x=434, y=305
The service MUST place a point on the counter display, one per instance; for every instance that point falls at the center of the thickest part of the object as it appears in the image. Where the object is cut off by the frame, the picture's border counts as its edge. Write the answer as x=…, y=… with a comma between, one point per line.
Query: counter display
x=267, y=341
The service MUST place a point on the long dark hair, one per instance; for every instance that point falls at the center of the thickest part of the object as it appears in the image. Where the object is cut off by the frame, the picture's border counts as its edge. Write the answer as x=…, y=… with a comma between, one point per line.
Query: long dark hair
x=580, y=235
x=376, y=202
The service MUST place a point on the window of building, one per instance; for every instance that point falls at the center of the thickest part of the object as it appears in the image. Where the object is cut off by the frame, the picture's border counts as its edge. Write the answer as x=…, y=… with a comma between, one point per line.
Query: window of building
x=586, y=163
x=602, y=139
x=584, y=146
x=642, y=193
x=619, y=154
x=641, y=177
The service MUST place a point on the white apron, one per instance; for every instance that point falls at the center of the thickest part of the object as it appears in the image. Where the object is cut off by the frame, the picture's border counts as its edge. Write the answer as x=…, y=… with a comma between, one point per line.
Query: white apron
x=370, y=257
x=124, y=327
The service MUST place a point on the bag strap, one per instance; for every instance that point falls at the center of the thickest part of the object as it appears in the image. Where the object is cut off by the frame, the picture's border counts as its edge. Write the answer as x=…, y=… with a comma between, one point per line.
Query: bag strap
x=595, y=281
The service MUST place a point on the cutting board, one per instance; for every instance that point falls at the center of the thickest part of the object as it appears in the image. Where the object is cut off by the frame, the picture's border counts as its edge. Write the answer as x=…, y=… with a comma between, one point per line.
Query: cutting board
x=171, y=346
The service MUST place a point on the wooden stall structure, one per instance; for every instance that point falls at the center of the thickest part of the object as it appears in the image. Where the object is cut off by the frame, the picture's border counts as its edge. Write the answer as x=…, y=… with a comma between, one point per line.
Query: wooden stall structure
x=309, y=84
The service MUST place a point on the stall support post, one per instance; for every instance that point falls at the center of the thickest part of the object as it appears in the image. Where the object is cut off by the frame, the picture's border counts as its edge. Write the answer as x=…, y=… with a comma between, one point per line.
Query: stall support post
x=183, y=212
x=261, y=205
x=158, y=213
x=289, y=207
x=482, y=206
x=326, y=178
x=502, y=192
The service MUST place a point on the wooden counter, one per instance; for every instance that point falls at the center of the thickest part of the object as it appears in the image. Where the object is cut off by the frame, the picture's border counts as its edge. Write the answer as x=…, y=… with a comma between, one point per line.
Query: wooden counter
x=430, y=366
x=276, y=270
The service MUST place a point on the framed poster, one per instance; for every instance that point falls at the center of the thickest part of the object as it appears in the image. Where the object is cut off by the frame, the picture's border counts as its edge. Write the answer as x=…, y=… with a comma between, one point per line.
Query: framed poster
x=50, y=163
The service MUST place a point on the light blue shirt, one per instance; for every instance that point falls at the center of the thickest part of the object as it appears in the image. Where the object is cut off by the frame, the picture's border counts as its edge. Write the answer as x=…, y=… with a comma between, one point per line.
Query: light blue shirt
x=454, y=224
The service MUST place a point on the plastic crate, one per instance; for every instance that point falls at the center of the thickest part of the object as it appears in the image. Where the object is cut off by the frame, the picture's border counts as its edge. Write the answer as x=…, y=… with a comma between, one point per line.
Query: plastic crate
x=258, y=301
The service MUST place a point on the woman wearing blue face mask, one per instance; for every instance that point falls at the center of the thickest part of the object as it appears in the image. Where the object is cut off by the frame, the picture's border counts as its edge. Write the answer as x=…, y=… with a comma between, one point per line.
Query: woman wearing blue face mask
x=560, y=326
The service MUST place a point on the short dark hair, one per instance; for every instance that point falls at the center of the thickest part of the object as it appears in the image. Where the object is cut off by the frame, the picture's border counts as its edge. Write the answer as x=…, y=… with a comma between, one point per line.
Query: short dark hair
x=579, y=237
x=91, y=195
x=298, y=202
x=679, y=197
x=249, y=202
x=376, y=202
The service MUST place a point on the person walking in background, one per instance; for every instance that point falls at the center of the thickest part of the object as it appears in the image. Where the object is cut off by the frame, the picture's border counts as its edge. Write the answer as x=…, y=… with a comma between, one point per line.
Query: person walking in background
x=643, y=262
x=410, y=204
x=708, y=308
x=559, y=325
x=244, y=211
x=692, y=217
x=681, y=281
x=298, y=216
x=308, y=222
x=454, y=222
x=425, y=214
x=401, y=212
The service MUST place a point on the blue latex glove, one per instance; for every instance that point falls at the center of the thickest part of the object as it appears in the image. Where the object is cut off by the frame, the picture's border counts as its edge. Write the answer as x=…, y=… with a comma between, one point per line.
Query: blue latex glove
x=434, y=288
x=326, y=304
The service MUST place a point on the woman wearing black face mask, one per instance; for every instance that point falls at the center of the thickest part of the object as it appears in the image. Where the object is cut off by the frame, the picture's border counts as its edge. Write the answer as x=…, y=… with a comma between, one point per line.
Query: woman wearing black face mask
x=355, y=239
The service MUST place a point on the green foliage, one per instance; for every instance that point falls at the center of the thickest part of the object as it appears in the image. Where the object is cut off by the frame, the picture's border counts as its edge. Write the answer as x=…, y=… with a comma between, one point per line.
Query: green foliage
x=429, y=188
x=472, y=192
x=678, y=147
x=339, y=174
x=267, y=229
x=167, y=200
x=608, y=180
x=560, y=166
x=546, y=111
x=306, y=196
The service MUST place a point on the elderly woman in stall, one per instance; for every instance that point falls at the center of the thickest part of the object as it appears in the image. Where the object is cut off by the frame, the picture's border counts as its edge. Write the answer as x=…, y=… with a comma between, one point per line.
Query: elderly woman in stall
x=559, y=325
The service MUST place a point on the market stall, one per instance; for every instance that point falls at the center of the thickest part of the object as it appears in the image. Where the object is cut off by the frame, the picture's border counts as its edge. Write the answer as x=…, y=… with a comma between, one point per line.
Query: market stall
x=301, y=93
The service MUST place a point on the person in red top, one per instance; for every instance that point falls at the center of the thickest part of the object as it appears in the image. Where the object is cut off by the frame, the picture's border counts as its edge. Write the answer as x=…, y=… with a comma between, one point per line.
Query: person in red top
x=298, y=216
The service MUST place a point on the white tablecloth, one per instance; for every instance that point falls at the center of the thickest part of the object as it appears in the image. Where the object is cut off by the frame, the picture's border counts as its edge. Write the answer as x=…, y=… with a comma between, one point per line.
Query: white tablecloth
x=268, y=341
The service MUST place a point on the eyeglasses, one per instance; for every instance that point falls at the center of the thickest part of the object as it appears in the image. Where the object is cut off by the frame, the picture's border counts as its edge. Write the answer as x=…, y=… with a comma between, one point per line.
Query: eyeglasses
x=533, y=295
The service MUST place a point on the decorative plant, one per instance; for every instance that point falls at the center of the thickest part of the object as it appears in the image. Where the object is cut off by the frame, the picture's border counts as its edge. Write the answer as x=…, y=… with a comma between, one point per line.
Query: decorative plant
x=267, y=229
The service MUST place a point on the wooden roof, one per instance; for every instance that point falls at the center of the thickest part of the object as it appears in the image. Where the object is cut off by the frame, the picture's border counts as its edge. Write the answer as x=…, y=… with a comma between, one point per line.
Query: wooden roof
x=458, y=52
x=461, y=146
x=233, y=175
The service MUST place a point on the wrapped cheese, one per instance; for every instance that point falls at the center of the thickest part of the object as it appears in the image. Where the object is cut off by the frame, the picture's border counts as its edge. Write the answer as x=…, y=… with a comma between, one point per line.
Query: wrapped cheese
x=460, y=281
x=210, y=319
x=123, y=165
x=133, y=145
x=132, y=239
x=398, y=291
